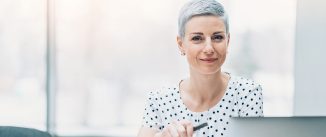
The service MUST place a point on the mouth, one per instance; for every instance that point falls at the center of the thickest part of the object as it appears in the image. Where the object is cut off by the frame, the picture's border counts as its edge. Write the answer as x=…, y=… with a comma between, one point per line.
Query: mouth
x=209, y=60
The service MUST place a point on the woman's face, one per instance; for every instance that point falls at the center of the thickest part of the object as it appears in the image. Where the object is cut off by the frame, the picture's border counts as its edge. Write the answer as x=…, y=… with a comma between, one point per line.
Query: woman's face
x=205, y=44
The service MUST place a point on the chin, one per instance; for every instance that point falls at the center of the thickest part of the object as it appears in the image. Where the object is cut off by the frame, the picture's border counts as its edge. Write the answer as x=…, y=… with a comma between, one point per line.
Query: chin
x=205, y=70
x=209, y=71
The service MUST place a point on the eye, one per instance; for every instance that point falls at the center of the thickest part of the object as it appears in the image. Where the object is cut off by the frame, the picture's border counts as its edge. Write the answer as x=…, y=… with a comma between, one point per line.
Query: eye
x=217, y=37
x=196, y=38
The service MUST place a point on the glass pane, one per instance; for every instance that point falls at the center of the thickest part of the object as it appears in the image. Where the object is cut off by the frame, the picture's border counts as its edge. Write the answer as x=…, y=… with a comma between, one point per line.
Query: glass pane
x=22, y=63
x=108, y=58
x=111, y=53
x=262, y=48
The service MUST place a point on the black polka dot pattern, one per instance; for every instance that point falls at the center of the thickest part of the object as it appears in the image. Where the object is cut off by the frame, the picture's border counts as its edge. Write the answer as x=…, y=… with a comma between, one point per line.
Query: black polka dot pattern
x=242, y=98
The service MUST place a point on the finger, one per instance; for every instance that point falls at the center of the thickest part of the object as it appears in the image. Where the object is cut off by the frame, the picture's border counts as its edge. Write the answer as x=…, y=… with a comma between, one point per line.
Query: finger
x=166, y=133
x=172, y=130
x=180, y=128
x=188, y=126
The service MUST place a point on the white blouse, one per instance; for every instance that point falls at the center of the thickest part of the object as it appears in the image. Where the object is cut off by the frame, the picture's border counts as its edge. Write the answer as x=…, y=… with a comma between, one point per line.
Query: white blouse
x=242, y=98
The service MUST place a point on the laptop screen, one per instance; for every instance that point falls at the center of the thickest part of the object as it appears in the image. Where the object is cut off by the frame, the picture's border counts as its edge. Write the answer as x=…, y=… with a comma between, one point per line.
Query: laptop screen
x=278, y=127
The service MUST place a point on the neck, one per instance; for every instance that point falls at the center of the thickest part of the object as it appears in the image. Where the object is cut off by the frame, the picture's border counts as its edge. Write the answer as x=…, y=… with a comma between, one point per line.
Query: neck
x=206, y=88
x=201, y=92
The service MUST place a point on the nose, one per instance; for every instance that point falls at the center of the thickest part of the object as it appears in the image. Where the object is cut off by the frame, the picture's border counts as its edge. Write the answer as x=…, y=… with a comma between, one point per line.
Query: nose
x=208, y=49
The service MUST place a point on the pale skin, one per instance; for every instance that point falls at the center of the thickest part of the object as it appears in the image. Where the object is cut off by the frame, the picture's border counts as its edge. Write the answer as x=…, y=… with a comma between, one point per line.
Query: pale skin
x=205, y=45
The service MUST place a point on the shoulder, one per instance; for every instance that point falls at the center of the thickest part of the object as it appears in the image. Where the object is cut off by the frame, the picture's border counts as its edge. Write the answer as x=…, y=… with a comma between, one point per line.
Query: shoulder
x=244, y=86
x=244, y=82
x=163, y=93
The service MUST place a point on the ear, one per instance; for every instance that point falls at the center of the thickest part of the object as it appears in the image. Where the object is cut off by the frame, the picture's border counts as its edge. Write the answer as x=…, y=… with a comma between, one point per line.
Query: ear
x=181, y=44
x=228, y=43
x=228, y=39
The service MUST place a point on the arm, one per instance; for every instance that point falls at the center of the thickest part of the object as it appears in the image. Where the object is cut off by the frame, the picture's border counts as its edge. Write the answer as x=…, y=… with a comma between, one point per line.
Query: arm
x=152, y=122
x=252, y=104
x=182, y=128
x=147, y=132
x=151, y=118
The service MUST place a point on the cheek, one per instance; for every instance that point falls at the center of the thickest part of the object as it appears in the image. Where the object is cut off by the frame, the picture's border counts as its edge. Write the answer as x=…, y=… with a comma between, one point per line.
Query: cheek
x=194, y=50
x=221, y=49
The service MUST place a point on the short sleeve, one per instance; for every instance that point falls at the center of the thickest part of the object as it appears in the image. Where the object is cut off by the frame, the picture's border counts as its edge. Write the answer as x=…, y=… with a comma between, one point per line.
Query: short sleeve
x=151, y=116
x=252, y=103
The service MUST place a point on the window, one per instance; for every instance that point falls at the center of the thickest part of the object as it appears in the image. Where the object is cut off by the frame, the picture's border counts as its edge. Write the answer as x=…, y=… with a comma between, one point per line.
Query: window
x=109, y=54
x=262, y=48
x=22, y=63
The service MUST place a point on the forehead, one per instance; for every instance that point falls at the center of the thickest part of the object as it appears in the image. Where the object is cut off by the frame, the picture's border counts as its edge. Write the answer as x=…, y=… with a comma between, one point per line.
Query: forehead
x=204, y=24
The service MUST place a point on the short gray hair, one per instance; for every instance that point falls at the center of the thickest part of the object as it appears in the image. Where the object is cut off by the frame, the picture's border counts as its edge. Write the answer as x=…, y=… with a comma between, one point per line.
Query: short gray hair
x=201, y=8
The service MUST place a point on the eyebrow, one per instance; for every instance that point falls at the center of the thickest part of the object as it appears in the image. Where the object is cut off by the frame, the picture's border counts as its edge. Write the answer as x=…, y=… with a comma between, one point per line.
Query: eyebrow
x=219, y=32
x=200, y=33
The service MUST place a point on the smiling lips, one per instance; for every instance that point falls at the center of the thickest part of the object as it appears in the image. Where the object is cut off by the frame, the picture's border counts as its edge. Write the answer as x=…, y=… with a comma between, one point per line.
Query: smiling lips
x=209, y=60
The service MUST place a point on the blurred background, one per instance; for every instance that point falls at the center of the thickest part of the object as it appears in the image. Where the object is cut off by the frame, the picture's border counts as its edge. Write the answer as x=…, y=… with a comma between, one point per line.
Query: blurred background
x=105, y=55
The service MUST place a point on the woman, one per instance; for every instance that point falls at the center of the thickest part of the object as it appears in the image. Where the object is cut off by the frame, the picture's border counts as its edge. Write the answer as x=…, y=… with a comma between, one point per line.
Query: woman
x=208, y=95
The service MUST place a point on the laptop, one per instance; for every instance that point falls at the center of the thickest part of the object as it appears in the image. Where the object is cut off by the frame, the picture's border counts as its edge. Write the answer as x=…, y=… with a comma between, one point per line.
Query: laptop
x=278, y=127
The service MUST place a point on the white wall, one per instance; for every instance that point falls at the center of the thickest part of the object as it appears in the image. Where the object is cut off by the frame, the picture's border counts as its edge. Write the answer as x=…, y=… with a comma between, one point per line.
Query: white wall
x=310, y=59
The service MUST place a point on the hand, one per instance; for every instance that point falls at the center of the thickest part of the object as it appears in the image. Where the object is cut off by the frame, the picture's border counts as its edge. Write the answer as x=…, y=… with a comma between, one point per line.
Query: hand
x=183, y=128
